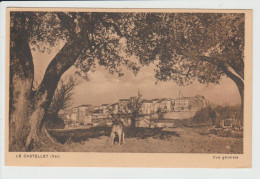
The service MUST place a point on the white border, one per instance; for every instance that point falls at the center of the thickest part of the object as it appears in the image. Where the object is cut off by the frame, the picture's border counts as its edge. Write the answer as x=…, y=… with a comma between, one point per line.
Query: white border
x=64, y=173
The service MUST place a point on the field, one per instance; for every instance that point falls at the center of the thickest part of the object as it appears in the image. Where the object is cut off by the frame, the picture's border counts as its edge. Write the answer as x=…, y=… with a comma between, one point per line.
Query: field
x=181, y=139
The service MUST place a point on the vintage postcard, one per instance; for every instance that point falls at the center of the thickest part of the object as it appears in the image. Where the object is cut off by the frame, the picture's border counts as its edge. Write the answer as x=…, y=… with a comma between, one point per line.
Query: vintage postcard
x=128, y=88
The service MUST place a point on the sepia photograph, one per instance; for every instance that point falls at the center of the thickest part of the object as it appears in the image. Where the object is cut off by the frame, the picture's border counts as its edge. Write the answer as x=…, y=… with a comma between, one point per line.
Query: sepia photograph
x=127, y=81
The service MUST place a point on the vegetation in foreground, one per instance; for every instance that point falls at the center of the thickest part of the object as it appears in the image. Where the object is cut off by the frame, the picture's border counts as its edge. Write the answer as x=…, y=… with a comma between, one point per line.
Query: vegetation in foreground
x=152, y=140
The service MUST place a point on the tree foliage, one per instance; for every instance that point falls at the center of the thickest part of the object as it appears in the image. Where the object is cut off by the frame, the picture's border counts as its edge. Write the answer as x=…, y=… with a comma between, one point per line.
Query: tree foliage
x=160, y=113
x=135, y=107
x=185, y=46
x=190, y=46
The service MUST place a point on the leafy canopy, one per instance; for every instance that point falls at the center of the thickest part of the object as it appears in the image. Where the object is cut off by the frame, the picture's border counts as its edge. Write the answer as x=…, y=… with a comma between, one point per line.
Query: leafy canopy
x=184, y=46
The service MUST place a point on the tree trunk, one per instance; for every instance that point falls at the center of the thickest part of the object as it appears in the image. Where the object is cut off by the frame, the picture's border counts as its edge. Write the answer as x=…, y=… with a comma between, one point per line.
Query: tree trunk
x=132, y=122
x=27, y=108
x=42, y=100
x=240, y=85
x=20, y=89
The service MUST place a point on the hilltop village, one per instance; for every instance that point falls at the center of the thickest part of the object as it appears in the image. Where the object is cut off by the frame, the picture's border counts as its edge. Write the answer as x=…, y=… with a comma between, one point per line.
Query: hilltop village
x=181, y=107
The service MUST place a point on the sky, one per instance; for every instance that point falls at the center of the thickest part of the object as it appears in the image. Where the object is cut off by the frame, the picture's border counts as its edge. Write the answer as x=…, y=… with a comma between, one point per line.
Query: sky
x=104, y=88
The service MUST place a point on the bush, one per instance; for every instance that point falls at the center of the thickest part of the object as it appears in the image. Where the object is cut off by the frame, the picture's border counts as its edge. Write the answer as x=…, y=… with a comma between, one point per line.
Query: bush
x=160, y=113
x=213, y=114
x=81, y=123
x=55, y=123
x=205, y=115
x=227, y=112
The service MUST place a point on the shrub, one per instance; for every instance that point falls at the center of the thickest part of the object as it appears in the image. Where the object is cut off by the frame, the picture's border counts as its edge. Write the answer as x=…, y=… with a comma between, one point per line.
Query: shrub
x=212, y=114
x=55, y=123
x=205, y=115
x=227, y=112
x=160, y=113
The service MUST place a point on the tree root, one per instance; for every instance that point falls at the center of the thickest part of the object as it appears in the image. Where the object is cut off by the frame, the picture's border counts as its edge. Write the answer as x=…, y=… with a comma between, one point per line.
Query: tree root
x=68, y=140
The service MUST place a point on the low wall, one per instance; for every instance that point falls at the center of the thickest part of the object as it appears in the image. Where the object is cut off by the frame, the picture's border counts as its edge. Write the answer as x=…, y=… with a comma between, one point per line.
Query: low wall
x=179, y=115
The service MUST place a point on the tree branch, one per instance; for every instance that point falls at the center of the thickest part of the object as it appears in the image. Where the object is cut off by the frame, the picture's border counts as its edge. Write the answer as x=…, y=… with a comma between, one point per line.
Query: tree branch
x=111, y=24
x=68, y=22
x=237, y=71
x=226, y=69
x=64, y=59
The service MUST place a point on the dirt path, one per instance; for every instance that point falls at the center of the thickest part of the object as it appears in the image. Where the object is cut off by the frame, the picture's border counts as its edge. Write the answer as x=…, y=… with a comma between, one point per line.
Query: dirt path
x=188, y=141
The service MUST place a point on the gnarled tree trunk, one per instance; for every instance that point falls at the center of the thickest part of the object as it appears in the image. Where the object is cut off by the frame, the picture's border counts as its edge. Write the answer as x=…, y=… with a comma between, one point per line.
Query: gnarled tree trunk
x=42, y=100
x=21, y=81
x=28, y=108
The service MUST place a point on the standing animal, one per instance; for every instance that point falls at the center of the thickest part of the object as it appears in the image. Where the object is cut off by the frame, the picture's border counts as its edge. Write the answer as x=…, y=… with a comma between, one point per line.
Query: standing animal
x=117, y=129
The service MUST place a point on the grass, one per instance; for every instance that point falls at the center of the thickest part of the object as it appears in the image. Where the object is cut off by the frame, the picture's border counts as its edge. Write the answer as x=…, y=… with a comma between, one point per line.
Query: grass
x=155, y=140
x=227, y=133
x=81, y=135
